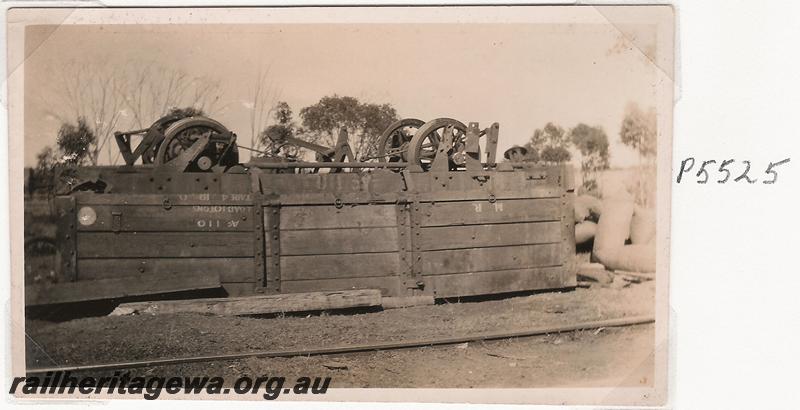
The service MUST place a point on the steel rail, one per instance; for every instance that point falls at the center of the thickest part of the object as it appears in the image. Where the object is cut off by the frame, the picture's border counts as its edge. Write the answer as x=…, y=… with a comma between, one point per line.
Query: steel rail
x=407, y=344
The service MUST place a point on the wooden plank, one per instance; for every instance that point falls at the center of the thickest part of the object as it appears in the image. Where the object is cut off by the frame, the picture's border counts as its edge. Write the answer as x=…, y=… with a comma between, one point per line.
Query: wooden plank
x=216, y=218
x=348, y=199
x=377, y=186
x=477, y=236
x=338, y=241
x=170, y=244
x=377, y=182
x=388, y=285
x=203, y=199
x=520, y=181
x=542, y=192
x=484, y=212
x=229, y=269
x=258, y=305
x=81, y=291
x=526, y=180
x=175, y=183
x=318, y=182
x=338, y=266
x=484, y=283
x=328, y=216
x=490, y=259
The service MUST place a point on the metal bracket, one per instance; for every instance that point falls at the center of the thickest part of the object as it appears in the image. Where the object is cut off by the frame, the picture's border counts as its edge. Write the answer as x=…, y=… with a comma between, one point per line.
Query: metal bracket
x=568, y=177
x=186, y=157
x=116, y=221
x=441, y=162
x=492, y=135
x=342, y=150
x=408, y=180
x=273, y=220
x=404, y=241
x=150, y=141
x=473, y=148
x=416, y=246
x=259, y=253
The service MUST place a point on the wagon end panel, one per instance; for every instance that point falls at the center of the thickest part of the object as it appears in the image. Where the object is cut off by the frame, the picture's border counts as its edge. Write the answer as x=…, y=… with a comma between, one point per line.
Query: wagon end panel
x=512, y=233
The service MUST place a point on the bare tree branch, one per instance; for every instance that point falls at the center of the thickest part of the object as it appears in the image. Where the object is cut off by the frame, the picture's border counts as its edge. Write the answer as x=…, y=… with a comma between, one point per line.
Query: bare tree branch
x=137, y=94
x=262, y=103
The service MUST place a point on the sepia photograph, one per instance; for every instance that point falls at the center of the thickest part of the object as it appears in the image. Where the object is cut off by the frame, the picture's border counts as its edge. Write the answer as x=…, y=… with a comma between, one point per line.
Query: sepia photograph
x=342, y=203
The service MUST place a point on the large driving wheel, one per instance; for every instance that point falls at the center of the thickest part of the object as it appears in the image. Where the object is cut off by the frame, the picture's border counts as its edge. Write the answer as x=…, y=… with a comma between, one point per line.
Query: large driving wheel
x=180, y=135
x=158, y=127
x=423, y=147
x=393, y=143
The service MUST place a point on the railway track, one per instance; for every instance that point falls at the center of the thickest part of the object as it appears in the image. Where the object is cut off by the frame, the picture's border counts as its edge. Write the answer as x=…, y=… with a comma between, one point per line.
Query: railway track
x=407, y=344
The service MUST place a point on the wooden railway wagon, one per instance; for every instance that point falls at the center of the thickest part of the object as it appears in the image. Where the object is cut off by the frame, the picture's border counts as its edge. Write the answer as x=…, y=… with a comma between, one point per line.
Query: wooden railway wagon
x=412, y=232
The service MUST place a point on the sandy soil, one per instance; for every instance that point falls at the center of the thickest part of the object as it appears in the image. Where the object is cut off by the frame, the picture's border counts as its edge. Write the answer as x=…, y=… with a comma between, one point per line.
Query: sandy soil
x=618, y=356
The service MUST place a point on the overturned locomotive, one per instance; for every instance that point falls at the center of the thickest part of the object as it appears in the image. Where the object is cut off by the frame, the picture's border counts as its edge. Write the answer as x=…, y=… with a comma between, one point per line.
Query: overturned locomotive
x=432, y=213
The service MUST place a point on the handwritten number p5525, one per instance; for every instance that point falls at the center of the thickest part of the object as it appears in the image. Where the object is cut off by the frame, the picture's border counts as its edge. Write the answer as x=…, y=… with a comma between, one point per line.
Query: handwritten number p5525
x=725, y=170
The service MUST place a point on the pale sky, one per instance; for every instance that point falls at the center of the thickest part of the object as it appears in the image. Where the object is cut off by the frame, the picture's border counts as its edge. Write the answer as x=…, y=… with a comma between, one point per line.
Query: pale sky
x=520, y=75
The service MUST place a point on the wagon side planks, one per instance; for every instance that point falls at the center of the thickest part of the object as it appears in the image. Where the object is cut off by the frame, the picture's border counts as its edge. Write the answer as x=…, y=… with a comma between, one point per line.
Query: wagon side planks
x=439, y=234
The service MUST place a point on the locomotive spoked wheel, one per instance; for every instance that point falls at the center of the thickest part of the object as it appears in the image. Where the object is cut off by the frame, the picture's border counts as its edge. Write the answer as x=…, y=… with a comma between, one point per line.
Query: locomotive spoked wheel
x=393, y=143
x=160, y=126
x=425, y=143
x=180, y=135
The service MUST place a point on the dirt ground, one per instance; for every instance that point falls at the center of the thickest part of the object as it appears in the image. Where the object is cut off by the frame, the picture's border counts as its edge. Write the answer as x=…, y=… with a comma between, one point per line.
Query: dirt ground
x=610, y=356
